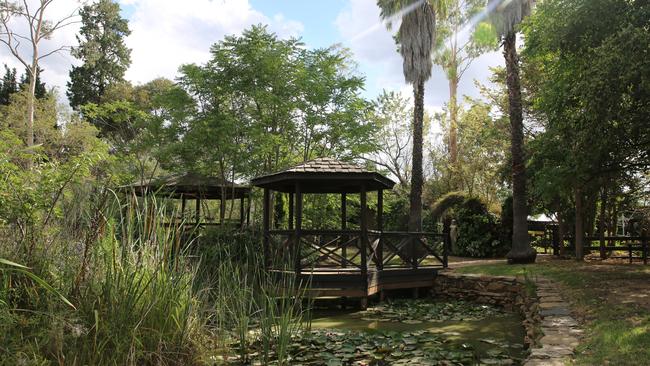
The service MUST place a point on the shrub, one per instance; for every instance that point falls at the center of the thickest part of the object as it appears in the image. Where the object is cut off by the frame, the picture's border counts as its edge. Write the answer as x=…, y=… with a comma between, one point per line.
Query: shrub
x=477, y=231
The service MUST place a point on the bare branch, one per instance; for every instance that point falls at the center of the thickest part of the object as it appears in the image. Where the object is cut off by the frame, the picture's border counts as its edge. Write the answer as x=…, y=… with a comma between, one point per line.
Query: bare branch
x=62, y=48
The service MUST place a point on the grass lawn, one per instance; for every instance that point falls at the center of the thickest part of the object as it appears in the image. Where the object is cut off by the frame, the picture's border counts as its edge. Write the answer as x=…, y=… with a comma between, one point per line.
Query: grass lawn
x=613, y=301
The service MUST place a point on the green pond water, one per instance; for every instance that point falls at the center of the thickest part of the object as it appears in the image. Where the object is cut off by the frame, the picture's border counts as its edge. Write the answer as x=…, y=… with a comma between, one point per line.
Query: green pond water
x=493, y=338
x=406, y=332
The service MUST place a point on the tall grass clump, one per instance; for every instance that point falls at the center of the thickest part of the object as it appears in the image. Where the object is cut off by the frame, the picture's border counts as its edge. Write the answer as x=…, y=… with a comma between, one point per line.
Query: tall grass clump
x=256, y=312
x=119, y=286
x=132, y=286
x=141, y=305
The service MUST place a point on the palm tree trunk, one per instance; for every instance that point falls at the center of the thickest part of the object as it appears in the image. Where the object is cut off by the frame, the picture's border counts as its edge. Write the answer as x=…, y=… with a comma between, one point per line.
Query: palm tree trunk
x=415, y=217
x=521, y=251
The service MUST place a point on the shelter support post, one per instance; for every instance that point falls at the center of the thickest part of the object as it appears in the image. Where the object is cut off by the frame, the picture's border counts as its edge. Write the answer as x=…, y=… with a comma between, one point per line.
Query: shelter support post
x=344, y=226
x=379, y=251
x=241, y=212
x=363, y=247
x=298, y=230
x=198, y=210
x=291, y=207
x=248, y=210
x=265, y=226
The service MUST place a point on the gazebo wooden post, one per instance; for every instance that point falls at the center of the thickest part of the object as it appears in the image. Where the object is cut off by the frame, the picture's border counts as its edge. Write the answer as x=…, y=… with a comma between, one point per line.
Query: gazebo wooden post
x=265, y=226
x=298, y=230
x=198, y=209
x=222, y=211
x=364, y=245
x=380, y=228
x=344, y=226
x=248, y=210
x=241, y=212
x=290, y=219
x=183, y=205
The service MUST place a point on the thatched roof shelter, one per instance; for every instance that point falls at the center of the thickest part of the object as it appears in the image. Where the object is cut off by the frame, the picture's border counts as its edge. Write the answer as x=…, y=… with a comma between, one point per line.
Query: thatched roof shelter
x=191, y=185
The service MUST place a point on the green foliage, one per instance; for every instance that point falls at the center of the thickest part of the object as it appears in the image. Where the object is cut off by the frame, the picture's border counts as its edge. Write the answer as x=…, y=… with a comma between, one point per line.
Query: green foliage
x=505, y=232
x=102, y=50
x=272, y=103
x=8, y=86
x=447, y=202
x=40, y=90
x=586, y=64
x=477, y=231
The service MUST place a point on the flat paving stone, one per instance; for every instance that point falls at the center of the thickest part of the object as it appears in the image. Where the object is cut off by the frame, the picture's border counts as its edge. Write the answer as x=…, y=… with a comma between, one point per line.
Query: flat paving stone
x=549, y=362
x=551, y=305
x=552, y=298
x=559, y=321
x=559, y=340
x=543, y=293
x=554, y=312
x=551, y=351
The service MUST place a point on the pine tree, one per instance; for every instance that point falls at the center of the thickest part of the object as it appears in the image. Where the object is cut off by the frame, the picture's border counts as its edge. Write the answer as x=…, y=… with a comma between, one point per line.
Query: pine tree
x=40, y=91
x=8, y=86
x=103, y=52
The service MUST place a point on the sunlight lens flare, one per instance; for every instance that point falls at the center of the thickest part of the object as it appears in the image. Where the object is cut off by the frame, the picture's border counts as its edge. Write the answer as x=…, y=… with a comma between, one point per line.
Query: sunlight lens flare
x=382, y=23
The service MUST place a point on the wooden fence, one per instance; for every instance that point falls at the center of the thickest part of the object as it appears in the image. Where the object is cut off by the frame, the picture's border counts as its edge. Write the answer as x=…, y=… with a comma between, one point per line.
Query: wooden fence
x=621, y=247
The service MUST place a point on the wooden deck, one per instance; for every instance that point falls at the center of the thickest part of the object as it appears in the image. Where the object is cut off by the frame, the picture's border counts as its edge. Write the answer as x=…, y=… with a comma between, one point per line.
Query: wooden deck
x=349, y=264
x=352, y=283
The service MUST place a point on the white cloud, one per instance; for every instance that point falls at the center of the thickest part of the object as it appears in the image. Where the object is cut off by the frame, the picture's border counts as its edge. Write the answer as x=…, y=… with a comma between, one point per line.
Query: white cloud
x=166, y=35
x=374, y=48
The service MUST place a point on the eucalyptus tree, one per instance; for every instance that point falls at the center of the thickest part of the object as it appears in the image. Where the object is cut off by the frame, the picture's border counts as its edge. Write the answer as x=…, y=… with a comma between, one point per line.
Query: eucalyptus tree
x=416, y=37
x=39, y=29
x=455, y=51
x=391, y=113
x=506, y=17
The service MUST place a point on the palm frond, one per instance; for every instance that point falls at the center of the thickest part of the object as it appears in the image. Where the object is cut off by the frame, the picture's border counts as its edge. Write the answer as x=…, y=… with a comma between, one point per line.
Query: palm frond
x=417, y=35
x=505, y=15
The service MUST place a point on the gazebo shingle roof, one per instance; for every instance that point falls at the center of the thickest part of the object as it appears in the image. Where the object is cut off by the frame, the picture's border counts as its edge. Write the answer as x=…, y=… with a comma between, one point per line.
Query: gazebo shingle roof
x=324, y=175
x=190, y=185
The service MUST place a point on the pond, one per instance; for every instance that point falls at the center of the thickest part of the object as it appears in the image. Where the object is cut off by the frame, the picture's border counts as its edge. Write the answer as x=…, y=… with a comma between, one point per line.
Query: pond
x=411, y=332
x=422, y=332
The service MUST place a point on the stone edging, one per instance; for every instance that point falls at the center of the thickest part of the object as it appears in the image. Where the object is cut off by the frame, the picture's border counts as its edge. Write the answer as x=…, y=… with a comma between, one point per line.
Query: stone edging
x=551, y=332
x=560, y=330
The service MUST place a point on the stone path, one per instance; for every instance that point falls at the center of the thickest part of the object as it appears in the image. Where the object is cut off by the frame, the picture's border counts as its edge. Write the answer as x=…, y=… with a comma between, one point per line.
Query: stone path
x=560, y=330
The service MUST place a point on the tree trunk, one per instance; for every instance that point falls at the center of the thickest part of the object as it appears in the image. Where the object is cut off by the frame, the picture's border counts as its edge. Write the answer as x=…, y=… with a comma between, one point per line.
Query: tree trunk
x=561, y=230
x=453, y=123
x=580, y=233
x=415, y=217
x=30, y=104
x=601, y=221
x=521, y=251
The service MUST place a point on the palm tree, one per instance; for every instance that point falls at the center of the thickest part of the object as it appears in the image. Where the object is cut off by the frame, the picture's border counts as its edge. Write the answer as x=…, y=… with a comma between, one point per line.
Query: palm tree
x=506, y=16
x=416, y=38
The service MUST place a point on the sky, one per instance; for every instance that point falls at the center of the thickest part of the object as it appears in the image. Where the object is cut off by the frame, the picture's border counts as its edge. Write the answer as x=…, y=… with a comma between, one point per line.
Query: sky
x=168, y=33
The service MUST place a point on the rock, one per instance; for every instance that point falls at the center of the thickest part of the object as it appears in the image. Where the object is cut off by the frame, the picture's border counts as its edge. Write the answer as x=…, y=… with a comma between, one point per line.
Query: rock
x=554, y=312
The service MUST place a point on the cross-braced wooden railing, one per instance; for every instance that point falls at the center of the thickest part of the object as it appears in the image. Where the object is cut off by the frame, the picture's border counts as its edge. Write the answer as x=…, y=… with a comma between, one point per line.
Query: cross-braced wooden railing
x=356, y=250
x=396, y=249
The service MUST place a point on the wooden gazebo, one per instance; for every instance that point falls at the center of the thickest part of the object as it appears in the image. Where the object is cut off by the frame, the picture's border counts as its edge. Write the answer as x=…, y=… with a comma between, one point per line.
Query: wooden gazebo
x=350, y=262
x=198, y=188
